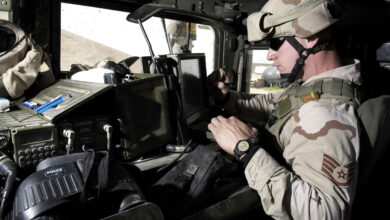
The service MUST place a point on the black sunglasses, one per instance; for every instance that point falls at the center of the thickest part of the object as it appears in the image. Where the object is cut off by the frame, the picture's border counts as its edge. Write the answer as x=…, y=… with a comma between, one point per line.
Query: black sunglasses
x=276, y=43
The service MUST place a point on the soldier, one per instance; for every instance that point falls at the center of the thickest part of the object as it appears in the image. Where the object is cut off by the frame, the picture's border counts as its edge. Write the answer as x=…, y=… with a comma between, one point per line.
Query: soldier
x=314, y=120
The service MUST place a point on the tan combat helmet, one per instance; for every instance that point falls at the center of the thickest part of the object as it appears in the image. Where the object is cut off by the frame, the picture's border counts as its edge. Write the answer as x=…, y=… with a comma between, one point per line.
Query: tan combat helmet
x=301, y=18
x=294, y=18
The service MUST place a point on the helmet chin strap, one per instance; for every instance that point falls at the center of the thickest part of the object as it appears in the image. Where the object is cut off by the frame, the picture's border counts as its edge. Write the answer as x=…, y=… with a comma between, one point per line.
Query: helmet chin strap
x=302, y=57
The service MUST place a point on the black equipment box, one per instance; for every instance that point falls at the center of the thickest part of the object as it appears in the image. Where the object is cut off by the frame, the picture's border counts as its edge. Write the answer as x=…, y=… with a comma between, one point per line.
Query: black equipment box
x=143, y=108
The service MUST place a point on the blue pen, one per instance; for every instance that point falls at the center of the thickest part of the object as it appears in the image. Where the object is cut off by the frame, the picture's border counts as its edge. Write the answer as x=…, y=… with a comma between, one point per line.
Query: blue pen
x=52, y=103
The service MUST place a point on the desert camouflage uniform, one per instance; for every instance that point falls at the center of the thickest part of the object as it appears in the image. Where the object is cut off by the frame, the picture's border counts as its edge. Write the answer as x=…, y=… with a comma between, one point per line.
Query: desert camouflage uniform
x=320, y=142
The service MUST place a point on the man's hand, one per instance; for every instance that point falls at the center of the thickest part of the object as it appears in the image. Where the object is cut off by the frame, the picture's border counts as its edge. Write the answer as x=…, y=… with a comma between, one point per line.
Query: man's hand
x=217, y=84
x=228, y=131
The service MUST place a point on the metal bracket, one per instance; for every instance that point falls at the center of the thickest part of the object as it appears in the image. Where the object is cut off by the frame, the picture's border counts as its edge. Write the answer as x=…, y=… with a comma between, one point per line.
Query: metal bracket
x=6, y=5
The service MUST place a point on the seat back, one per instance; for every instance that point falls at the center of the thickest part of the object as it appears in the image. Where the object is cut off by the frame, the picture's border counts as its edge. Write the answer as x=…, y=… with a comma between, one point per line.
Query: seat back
x=375, y=152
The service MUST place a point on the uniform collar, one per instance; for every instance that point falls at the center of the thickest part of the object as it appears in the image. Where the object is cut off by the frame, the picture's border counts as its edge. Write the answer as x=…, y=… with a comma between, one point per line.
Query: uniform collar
x=350, y=72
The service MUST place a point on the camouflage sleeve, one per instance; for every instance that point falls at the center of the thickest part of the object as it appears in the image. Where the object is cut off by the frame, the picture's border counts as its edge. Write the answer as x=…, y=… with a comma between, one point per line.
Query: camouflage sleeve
x=19, y=78
x=321, y=144
x=255, y=108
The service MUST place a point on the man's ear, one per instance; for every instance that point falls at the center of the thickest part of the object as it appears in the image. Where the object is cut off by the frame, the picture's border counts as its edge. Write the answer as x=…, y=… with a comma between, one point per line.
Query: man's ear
x=311, y=41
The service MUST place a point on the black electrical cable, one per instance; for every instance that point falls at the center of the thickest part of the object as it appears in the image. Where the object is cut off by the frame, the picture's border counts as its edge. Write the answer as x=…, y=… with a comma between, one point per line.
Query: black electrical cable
x=8, y=169
x=187, y=146
x=180, y=116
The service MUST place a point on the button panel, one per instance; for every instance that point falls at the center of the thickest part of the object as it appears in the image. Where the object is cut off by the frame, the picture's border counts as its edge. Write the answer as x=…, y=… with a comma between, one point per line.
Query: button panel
x=34, y=155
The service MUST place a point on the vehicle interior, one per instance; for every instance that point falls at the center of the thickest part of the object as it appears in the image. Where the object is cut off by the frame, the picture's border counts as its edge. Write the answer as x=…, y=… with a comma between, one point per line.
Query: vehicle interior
x=128, y=102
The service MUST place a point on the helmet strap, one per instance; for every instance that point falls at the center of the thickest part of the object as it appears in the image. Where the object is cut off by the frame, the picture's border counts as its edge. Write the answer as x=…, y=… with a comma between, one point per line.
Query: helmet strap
x=302, y=56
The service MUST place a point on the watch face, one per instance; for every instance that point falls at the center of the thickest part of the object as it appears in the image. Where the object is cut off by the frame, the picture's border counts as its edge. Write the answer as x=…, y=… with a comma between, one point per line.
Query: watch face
x=243, y=146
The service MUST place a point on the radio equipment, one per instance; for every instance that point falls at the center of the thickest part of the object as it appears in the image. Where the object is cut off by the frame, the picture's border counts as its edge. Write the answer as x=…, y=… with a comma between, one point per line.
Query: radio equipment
x=87, y=132
x=30, y=138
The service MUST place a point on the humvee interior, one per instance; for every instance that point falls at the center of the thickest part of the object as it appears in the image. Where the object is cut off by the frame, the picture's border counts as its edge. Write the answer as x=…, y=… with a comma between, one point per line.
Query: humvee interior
x=129, y=103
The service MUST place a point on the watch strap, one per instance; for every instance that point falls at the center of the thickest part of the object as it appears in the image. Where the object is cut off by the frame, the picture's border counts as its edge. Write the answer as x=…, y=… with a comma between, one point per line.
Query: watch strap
x=248, y=156
x=237, y=152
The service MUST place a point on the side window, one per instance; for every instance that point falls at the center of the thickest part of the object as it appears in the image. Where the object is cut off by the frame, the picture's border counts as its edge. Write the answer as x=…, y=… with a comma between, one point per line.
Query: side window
x=264, y=77
x=109, y=36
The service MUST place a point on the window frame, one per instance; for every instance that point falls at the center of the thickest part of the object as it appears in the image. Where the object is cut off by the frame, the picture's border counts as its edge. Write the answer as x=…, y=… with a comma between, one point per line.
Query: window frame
x=246, y=75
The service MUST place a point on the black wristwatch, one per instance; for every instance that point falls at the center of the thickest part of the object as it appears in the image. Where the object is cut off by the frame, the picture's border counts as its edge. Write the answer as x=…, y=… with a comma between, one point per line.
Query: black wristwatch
x=243, y=146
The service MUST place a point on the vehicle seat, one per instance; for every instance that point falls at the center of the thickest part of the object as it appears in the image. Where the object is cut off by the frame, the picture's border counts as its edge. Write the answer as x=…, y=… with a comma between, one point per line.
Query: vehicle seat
x=373, y=182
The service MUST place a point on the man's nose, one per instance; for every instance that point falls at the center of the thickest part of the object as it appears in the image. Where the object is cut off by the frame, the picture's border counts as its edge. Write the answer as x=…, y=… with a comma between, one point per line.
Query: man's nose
x=271, y=54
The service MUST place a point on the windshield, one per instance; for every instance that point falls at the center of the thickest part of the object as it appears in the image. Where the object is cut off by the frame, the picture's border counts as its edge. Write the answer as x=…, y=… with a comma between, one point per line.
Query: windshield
x=109, y=36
